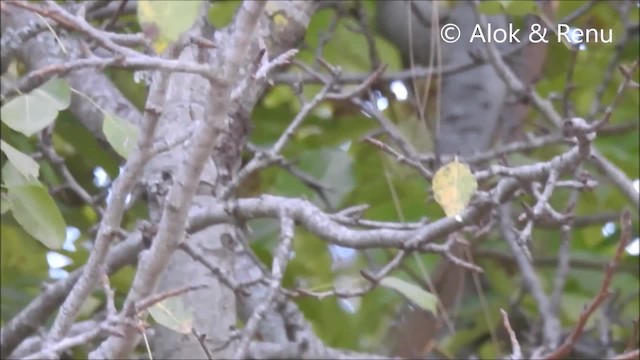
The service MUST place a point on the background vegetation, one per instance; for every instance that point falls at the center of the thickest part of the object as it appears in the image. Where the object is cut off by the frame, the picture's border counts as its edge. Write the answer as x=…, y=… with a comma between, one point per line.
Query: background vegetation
x=53, y=204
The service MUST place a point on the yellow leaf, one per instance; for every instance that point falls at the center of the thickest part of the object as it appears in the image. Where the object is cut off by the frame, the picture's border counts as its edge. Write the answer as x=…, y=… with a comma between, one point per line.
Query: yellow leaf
x=273, y=8
x=164, y=21
x=453, y=186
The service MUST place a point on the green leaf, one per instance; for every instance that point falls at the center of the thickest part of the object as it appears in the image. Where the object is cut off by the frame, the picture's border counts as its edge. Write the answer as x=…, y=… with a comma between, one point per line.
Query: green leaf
x=165, y=21
x=21, y=161
x=372, y=186
x=57, y=92
x=89, y=306
x=453, y=186
x=173, y=314
x=30, y=113
x=221, y=12
x=418, y=296
x=521, y=7
x=344, y=283
x=573, y=304
x=4, y=203
x=332, y=167
x=492, y=7
x=120, y=133
x=417, y=133
x=36, y=211
x=12, y=176
x=22, y=269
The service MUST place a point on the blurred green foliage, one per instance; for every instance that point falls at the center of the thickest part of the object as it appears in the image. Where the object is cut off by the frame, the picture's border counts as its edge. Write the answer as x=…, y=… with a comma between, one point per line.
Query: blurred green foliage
x=329, y=147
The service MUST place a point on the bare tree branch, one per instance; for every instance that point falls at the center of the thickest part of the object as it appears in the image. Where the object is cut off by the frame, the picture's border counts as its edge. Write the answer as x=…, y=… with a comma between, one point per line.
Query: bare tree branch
x=547, y=109
x=36, y=313
x=625, y=237
x=113, y=214
x=172, y=225
x=287, y=228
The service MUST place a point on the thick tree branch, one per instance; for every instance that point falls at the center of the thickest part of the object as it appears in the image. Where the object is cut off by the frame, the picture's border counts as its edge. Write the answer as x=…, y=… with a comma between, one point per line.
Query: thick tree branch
x=321, y=224
x=173, y=222
x=113, y=213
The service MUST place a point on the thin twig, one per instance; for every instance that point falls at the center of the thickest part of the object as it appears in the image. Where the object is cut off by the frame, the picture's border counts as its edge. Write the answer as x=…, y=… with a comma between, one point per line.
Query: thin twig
x=625, y=236
x=263, y=159
x=47, y=149
x=113, y=215
x=201, y=338
x=287, y=228
x=631, y=355
x=65, y=344
x=148, y=302
x=546, y=108
x=516, y=353
x=413, y=73
x=215, y=270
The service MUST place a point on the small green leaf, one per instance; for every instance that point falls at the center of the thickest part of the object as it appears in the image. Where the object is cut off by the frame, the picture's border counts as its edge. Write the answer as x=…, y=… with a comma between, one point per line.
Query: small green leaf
x=345, y=283
x=36, y=211
x=120, y=133
x=12, y=177
x=165, y=21
x=57, y=92
x=21, y=161
x=61, y=146
x=418, y=296
x=4, y=203
x=30, y=113
x=89, y=307
x=25, y=115
x=173, y=314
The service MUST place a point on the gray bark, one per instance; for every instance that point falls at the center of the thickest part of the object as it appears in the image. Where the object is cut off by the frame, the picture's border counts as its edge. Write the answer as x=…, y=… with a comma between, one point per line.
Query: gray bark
x=215, y=306
x=472, y=100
